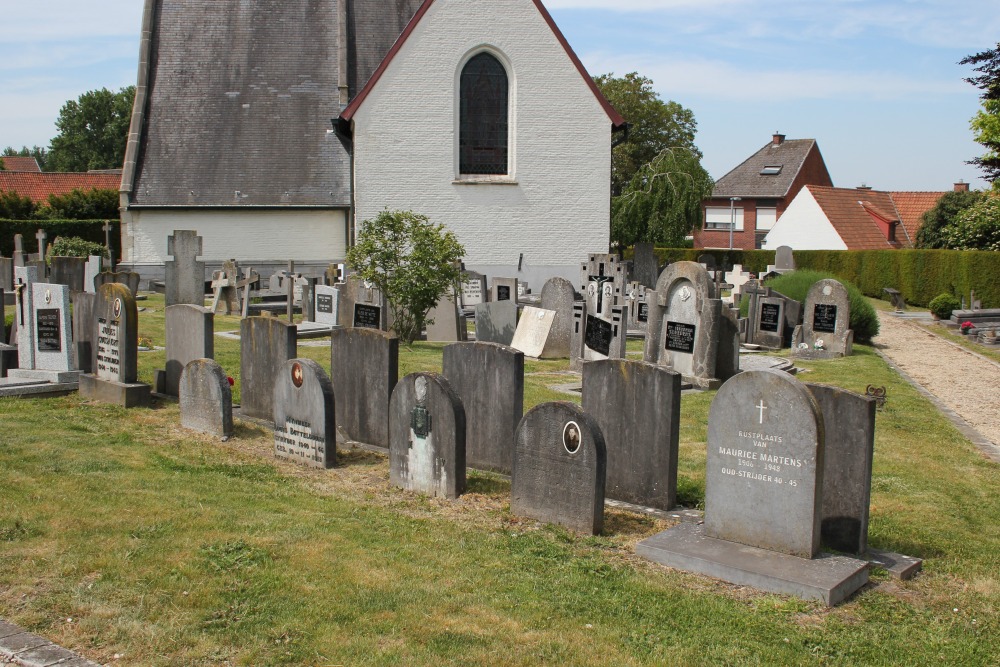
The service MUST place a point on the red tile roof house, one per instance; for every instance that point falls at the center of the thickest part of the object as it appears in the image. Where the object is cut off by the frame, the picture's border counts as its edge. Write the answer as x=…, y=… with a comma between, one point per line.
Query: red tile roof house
x=826, y=218
x=38, y=186
x=765, y=183
x=19, y=163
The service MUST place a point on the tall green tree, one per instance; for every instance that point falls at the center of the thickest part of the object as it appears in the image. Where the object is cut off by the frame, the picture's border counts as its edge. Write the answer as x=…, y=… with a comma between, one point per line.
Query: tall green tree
x=935, y=222
x=662, y=202
x=654, y=125
x=93, y=131
x=977, y=227
x=986, y=123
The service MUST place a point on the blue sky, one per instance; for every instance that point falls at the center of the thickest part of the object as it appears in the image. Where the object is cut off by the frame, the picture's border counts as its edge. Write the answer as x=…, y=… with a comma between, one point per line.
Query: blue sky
x=875, y=82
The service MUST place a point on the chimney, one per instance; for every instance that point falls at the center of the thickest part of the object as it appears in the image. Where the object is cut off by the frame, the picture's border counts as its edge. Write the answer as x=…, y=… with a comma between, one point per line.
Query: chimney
x=777, y=138
x=961, y=186
x=864, y=187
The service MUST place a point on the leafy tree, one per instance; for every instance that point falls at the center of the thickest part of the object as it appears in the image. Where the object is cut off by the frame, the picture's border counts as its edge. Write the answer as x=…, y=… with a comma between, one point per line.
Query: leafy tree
x=93, y=204
x=36, y=152
x=93, y=131
x=74, y=246
x=662, y=203
x=986, y=123
x=977, y=227
x=655, y=125
x=936, y=221
x=412, y=261
x=15, y=207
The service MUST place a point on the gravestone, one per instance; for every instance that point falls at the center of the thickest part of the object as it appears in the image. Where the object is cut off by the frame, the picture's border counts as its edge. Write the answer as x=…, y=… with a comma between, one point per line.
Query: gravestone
x=849, y=445
x=184, y=274
x=443, y=321
x=128, y=278
x=364, y=305
x=364, y=365
x=532, y=331
x=24, y=278
x=224, y=287
x=784, y=260
x=93, y=267
x=206, y=399
x=84, y=329
x=764, y=487
x=603, y=285
x=41, y=236
x=19, y=257
x=427, y=430
x=645, y=265
x=684, y=324
x=594, y=338
x=473, y=289
x=190, y=335
x=637, y=406
x=116, y=342
x=558, y=295
x=7, y=274
x=45, y=342
x=637, y=297
x=496, y=322
x=824, y=332
x=69, y=271
x=504, y=289
x=489, y=379
x=327, y=305
x=737, y=278
x=559, y=468
x=266, y=344
x=769, y=329
x=305, y=429
x=727, y=359
x=708, y=261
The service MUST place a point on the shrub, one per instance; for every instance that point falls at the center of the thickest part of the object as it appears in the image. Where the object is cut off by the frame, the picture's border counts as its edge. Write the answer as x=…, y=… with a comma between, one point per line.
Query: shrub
x=943, y=304
x=796, y=284
x=74, y=246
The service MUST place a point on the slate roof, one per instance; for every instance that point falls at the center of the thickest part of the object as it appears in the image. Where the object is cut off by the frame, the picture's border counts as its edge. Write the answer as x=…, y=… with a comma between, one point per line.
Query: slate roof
x=912, y=206
x=19, y=163
x=851, y=212
x=239, y=98
x=39, y=185
x=747, y=181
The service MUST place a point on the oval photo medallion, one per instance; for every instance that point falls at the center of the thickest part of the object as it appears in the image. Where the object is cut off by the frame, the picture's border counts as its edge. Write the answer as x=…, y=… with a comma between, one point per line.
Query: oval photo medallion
x=118, y=308
x=297, y=374
x=571, y=437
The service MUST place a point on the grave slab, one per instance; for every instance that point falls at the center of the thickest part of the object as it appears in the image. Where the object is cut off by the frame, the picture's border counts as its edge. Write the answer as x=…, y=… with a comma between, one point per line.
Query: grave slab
x=189, y=333
x=364, y=367
x=558, y=295
x=184, y=275
x=206, y=399
x=116, y=338
x=496, y=322
x=532, y=331
x=266, y=344
x=305, y=427
x=829, y=578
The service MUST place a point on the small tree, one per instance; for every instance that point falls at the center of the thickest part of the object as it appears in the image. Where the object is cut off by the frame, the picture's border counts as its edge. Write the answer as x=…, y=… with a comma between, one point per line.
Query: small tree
x=933, y=229
x=977, y=227
x=412, y=261
x=15, y=207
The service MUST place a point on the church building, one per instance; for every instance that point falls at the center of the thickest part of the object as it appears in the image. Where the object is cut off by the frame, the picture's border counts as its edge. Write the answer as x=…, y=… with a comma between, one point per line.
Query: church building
x=276, y=127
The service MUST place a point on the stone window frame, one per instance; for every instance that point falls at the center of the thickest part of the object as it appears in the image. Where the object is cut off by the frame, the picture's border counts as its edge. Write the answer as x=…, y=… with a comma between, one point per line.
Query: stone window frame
x=507, y=178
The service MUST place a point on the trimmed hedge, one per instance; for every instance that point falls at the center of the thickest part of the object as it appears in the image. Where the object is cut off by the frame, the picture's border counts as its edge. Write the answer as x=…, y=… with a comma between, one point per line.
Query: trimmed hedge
x=795, y=285
x=89, y=230
x=920, y=275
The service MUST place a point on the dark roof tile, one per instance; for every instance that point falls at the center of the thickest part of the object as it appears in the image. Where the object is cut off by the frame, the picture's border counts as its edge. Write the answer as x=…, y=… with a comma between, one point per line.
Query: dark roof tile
x=746, y=180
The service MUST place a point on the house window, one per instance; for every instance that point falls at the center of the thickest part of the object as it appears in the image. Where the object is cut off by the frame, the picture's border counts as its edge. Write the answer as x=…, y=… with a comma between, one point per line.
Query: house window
x=766, y=217
x=717, y=217
x=771, y=170
x=483, y=100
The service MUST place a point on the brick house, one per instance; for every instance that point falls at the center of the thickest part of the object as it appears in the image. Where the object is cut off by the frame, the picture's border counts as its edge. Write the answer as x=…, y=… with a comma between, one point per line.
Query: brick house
x=37, y=186
x=757, y=192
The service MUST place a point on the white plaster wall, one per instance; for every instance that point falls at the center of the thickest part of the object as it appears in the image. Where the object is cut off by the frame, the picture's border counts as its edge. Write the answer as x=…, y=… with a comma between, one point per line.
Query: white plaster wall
x=557, y=209
x=247, y=235
x=804, y=226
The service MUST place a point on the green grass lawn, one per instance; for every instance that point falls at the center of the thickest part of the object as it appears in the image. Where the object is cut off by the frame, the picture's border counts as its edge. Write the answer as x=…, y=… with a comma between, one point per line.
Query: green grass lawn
x=122, y=534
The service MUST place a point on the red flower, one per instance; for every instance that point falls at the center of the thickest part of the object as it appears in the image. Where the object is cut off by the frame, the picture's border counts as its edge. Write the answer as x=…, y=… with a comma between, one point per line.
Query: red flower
x=231, y=381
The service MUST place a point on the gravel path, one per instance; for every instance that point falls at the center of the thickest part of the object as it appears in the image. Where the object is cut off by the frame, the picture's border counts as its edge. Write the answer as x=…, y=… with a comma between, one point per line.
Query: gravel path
x=966, y=383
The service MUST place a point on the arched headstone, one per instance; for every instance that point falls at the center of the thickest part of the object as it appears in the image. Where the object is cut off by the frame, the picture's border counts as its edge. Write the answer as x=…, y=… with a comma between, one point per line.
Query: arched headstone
x=305, y=429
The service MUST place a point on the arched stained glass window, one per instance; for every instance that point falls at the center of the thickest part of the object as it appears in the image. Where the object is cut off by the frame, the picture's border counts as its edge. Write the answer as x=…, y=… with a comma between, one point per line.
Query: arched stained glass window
x=482, y=136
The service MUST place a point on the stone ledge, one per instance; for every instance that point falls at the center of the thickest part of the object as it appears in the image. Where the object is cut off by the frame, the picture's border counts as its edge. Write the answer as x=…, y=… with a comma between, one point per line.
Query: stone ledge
x=30, y=650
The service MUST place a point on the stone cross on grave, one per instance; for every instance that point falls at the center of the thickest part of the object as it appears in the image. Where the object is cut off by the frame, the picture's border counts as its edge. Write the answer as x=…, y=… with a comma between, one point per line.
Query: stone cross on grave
x=604, y=284
x=19, y=292
x=41, y=236
x=107, y=243
x=224, y=286
x=290, y=291
x=761, y=407
x=19, y=254
x=250, y=278
x=600, y=279
x=754, y=290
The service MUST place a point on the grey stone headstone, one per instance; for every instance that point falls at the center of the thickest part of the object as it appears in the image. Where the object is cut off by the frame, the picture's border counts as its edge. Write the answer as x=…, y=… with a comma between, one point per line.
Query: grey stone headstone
x=594, y=338
x=3, y=317
x=684, y=318
x=363, y=306
x=84, y=328
x=532, y=331
x=305, y=429
x=769, y=320
x=560, y=463
x=645, y=265
x=496, y=322
x=69, y=271
x=128, y=278
x=603, y=283
x=364, y=365
x=558, y=295
x=825, y=331
x=784, y=260
x=504, y=289
x=489, y=378
x=206, y=399
x=266, y=344
x=849, y=445
x=327, y=309
x=638, y=407
x=24, y=278
x=184, y=276
x=764, y=468
x=53, y=331
x=190, y=335
x=93, y=267
x=6, y=274
x=444, y=324
x=427, y=429
x=708, y=261
x=727, y=360
x=19, y=256
x=473, y=289
x=116, y=334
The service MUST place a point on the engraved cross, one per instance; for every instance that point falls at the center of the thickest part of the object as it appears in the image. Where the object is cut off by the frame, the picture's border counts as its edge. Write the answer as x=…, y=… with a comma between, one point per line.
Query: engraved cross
x=761, y=407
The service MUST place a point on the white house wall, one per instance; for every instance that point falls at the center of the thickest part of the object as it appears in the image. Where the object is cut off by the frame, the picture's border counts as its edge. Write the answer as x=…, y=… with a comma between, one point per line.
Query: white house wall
x=556, y=209
x=804, y=226
x=247, y=235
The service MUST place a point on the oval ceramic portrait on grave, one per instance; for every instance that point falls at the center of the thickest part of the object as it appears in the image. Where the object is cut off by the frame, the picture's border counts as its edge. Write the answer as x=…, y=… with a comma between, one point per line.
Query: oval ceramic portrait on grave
x=297, y=375
x=571, y=437
x=117, y=308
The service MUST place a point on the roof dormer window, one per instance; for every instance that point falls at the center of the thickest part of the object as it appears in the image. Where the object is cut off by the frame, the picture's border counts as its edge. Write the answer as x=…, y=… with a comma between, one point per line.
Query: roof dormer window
x=771, y=170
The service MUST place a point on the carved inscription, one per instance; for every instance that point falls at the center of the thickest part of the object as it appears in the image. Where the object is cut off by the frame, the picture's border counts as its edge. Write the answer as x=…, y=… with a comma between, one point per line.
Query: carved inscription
x=295, y=441
x=759, y=457
x=324, y=303
x=597, y=335
x=367, y=317
x=770, y=317
x=48, y=330
x=680, y=337
x=825, y=317
x=109, y=363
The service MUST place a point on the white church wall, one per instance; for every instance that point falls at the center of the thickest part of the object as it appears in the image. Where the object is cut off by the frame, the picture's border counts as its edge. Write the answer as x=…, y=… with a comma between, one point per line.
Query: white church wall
x=553, y=207
x=804, y=226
